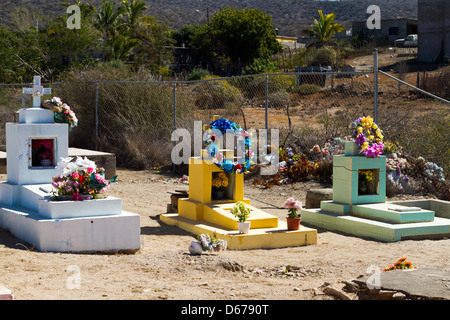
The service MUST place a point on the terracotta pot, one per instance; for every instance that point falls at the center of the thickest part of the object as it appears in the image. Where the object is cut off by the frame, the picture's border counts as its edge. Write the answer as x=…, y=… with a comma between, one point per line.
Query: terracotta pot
x=293, y=223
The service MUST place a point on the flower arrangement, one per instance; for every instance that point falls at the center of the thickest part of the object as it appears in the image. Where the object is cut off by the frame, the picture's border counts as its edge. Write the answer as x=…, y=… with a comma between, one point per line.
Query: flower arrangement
x=372, y=145
x=240, y=211
x=401, y=263
x=79, y=180
x=293, y=206
x=366, y=175
x=224, y=126
x=220, y=181
x=63, y=113
x=212, y=244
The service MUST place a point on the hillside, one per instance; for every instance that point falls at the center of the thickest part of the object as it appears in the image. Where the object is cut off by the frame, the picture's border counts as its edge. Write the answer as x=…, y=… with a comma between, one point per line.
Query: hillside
x=289, y=16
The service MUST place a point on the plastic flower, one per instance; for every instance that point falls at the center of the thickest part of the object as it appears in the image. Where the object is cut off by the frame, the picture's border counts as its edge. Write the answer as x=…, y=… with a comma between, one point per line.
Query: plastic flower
x=372, y=146
x=367, y=122
x=293, y=205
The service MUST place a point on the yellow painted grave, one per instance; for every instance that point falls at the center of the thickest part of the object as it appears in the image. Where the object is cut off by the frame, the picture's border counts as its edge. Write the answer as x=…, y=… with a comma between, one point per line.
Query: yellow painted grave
x=202, y=213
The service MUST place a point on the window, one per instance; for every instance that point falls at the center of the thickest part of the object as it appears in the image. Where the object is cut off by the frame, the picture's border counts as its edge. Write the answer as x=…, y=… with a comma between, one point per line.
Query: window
x=393, y=31
x=42, y=152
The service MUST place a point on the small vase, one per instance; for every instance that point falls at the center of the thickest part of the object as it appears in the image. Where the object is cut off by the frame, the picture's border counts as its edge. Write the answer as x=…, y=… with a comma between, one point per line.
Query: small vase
x=243, y=227
x=218, y=195
x=362, y=188
x=293, y=223
x=46, y=162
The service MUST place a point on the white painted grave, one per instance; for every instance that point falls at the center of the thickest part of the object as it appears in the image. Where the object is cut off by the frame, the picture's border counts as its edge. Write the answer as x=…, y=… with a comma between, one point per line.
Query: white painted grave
x=34, y=145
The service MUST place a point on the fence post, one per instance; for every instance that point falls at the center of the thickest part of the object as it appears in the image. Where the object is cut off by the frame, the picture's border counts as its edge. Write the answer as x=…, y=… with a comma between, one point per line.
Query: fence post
x=96, y=116
x=267, y=107
x=375, y=75
x=174, y=115
x=174, y=106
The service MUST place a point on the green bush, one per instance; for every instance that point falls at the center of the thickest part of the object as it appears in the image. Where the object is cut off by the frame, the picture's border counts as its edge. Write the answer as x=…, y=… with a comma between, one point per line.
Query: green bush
x=324, y=56
x=214, y=94
x=279, y=99
x=307, y=89
x=197, y=74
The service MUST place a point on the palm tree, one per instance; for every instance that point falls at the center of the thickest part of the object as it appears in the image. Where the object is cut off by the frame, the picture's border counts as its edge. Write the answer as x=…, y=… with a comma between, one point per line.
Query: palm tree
x=325, y=28
x=109, y=20
x=86, y=8
x=133, y=10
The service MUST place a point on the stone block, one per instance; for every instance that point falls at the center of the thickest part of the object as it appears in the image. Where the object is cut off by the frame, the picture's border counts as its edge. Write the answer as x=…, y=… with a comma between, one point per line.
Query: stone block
x=316, y=196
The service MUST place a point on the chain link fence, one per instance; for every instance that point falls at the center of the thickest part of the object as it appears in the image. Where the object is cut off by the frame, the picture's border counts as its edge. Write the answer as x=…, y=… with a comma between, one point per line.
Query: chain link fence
x=135, y=120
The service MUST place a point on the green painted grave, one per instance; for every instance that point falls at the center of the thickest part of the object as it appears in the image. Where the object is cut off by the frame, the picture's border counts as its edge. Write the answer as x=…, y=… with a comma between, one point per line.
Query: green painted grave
x=359, y=205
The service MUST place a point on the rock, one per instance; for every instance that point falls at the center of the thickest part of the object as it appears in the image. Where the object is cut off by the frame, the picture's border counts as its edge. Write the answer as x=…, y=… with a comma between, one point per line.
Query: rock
x=231, y=266
x=336, y=293
x=315, y=196
x=414, y=284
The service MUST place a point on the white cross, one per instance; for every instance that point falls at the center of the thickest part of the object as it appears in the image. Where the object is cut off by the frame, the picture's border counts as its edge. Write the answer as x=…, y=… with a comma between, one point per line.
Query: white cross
x=37, y=91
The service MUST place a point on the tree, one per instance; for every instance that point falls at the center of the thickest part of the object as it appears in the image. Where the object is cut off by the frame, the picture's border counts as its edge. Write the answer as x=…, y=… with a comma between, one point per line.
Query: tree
x=154, y=50
x=325, y=28
x=238, y=36
x=132, y=11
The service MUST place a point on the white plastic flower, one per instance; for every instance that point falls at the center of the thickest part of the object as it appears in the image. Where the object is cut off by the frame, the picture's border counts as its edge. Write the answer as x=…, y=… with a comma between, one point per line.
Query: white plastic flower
x=83, y=164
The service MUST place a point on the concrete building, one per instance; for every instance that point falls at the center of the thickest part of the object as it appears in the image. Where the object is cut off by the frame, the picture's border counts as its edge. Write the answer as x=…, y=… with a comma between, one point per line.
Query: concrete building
x=391, y=29
x=434, y=30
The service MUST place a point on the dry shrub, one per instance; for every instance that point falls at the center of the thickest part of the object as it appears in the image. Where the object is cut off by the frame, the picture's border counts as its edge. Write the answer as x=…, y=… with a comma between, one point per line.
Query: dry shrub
x=135, y=120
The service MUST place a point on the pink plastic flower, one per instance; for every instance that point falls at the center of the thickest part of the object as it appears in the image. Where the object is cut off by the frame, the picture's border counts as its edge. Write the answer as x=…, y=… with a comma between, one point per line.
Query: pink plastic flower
x=291, y=203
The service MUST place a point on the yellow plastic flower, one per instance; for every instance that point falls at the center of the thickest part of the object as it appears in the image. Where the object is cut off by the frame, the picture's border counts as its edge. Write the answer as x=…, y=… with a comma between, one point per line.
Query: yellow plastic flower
x=359, y=129
x=222, y=175
x=374, y=126
x=367, y=122
x=378, y=133
x=371, y=137
x=364, y=145
x=217, y=182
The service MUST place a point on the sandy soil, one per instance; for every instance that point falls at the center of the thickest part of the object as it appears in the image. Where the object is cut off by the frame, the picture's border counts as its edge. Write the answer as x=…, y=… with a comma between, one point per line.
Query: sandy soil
x=164, y=269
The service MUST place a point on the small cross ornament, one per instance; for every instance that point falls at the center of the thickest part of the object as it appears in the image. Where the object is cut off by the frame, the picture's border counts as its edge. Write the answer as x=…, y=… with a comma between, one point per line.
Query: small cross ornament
x=37, y=91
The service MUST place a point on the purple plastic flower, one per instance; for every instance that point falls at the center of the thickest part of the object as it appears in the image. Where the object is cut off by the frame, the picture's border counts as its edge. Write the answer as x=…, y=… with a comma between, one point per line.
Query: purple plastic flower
x=360, y=140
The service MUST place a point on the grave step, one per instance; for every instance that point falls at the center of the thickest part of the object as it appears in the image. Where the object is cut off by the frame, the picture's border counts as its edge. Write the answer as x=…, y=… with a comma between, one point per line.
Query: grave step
x=380, y=211
x=392, y=213
x=220, y=214
x=374, y=229
x=261, y=238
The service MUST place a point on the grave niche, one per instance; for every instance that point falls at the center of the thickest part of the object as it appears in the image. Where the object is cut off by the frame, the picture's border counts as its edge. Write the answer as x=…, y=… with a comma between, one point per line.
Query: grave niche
x=42, y=152
x=227, y=192
x=371, y=187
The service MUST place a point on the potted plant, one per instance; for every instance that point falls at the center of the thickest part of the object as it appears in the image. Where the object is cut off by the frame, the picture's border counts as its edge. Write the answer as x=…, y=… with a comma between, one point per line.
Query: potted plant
x=293, y=219
x=240, y=211
x=219, y=183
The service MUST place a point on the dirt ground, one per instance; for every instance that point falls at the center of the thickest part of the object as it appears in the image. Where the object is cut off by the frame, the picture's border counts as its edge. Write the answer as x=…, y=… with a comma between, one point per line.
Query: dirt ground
x=163, y=269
